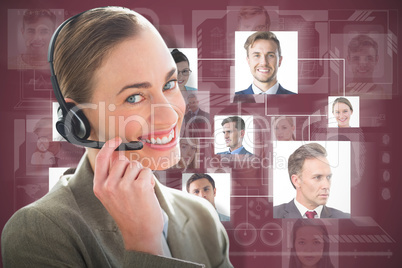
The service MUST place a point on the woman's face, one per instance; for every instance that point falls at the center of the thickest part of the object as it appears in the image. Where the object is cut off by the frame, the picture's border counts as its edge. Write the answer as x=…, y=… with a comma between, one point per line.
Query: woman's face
x=283, y=130
x=182, y=79
x=137, y=98
x=309, y=245
x=188, y=149
x=342, y=114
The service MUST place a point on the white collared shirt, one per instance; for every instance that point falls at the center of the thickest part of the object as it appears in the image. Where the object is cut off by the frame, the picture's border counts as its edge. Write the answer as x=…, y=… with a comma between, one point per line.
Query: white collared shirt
x=272, y=90
x=302, y=209
x=165, y=246
x=195, y=113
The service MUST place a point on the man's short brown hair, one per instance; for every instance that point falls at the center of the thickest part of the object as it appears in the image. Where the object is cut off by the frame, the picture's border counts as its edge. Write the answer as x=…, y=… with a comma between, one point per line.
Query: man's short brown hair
x=33, y=15
x=262, y=36
x=360, y=41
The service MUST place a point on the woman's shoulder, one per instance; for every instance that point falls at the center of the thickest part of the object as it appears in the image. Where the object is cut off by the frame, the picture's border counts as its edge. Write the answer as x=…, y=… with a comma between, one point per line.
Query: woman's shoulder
x=190, y=205
x=53, y=206
x=47, y=231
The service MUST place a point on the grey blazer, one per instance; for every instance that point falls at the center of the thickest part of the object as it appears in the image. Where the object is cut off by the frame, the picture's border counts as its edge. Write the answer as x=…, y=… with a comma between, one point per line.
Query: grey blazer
x=289, y=210
x=69, y=227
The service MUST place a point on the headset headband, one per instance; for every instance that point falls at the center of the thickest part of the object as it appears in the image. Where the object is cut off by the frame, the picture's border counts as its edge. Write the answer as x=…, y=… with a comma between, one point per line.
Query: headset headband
x=72, y=123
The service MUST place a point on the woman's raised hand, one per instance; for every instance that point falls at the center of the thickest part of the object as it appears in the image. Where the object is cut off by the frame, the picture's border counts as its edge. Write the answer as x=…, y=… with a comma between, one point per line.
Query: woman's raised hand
x=126, y=189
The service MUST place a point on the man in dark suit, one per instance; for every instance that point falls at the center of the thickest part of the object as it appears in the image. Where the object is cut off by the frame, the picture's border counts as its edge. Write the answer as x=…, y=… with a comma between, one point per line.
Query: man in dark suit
x=196, y=121
x=264, y=59
x=233, y=130
x=310, y=174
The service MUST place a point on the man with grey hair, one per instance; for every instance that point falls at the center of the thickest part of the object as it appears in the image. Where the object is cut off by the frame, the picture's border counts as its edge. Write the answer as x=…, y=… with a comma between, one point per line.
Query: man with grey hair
x=310, y=174
x=264, y=57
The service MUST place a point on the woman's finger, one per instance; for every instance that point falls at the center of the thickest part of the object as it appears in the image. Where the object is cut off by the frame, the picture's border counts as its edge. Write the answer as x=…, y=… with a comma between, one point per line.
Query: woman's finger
x=102, y=161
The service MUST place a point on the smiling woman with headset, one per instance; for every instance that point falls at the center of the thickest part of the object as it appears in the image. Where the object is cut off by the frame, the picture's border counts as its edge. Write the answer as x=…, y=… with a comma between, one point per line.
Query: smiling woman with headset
x=116, y=81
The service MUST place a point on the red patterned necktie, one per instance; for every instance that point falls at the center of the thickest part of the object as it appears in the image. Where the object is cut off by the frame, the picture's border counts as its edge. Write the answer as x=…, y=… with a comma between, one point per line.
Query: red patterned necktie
x=311, y=214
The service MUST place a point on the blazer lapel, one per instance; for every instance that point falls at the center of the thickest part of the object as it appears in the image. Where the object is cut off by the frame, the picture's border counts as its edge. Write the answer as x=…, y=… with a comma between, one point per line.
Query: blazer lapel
x=81, y=184
x=325, y=213
x=291, y=210
x=177, y=222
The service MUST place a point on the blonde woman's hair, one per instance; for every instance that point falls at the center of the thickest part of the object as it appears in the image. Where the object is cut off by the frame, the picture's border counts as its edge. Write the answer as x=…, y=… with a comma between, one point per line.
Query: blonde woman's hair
x=291, y=123
x=86, y=41
x=342, y=100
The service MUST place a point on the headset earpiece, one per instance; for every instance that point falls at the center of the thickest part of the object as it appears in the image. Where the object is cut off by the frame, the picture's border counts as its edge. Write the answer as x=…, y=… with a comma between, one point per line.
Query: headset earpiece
x=74, y=122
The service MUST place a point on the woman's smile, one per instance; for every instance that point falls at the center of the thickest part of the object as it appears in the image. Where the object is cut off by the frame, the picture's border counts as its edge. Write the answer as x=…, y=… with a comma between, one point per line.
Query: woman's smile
x=148, y=103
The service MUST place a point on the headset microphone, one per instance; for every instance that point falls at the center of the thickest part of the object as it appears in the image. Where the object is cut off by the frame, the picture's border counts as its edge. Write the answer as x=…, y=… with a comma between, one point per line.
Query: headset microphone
x=72, y=124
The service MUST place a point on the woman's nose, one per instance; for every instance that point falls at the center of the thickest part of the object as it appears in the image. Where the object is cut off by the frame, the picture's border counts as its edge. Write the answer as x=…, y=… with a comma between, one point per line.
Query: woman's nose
x=163, y=113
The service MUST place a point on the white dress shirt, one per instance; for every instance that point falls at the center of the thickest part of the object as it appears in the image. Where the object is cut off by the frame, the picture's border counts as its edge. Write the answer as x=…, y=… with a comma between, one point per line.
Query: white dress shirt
x=302, y=209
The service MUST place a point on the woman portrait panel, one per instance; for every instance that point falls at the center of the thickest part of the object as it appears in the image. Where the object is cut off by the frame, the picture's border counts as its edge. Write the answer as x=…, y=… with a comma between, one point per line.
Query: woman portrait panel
x=344, y=111
x=284, y=128
x=112, y=212
x=310, y=245
x=186, y=76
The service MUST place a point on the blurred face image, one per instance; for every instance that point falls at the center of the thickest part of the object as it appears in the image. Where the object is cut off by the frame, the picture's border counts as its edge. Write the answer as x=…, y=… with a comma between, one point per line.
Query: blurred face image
x=44, y=142
x=363, y=63
x=284, y=130
x=183, y=71
x=253, y=23
x=264, y=61
x=342, y=113
x=309, y=245
x=193, y=104
x=203, y=188
x=137, y=98
x=188, y=150
x=37, y=36
x=233, y=136
x=314, y=182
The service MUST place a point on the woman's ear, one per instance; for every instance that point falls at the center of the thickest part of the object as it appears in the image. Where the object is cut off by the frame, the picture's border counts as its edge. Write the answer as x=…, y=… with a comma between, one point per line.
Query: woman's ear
x=68, y=100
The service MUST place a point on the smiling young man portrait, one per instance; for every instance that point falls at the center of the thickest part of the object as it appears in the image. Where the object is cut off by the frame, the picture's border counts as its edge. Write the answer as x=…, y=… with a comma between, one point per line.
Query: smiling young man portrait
x=264, y=58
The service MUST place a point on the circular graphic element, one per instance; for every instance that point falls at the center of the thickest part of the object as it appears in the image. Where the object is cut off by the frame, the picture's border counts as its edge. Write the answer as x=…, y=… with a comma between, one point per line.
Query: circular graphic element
x=245, y=234
x=271, y=234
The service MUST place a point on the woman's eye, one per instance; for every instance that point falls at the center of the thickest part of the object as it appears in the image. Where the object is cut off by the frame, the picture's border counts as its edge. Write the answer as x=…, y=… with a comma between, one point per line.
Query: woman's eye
x=170, y=85
x=134, y=98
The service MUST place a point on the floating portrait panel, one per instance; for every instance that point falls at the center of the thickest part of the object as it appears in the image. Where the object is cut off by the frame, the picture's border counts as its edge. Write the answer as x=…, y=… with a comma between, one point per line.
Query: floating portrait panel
x=223, y=189
x=338, y=156
x=189, y=81
x=343, y=112
x=288, y=69
x=248, y=139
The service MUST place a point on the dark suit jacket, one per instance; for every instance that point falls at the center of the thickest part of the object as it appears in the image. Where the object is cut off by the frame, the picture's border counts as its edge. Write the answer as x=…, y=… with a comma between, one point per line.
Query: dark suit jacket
x=249, y=90
x=69, y=227
x=289, y=210
x=242, y=151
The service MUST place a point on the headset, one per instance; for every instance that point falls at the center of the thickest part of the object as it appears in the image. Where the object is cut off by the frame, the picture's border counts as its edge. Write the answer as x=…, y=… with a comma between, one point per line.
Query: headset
x=72, y=124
